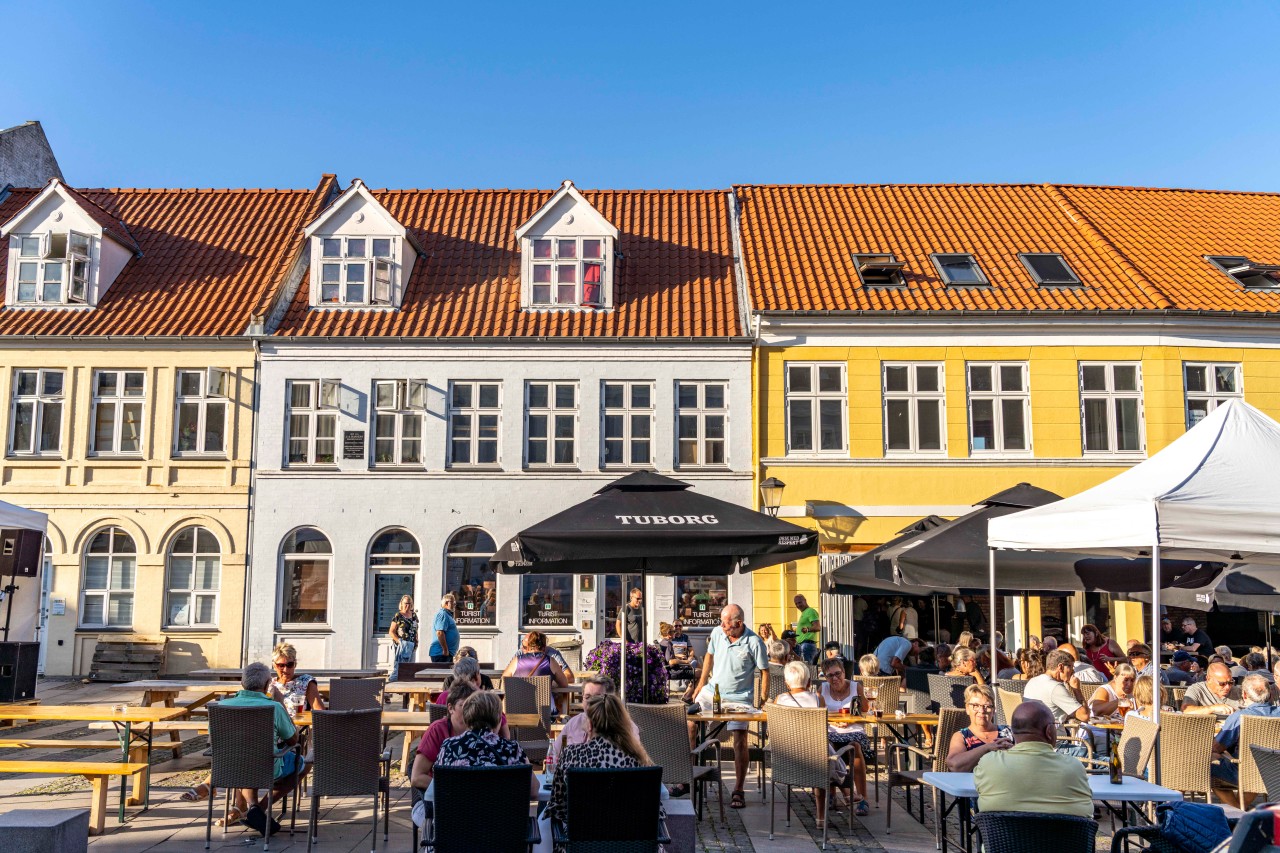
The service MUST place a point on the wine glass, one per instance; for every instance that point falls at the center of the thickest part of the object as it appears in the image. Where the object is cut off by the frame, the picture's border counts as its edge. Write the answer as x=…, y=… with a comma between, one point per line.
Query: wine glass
x=873, y=693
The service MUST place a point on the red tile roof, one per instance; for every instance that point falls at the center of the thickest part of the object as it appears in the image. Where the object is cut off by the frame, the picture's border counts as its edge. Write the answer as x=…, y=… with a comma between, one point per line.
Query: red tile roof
x=1134, y=249
x=209, y=257
x=675, y=277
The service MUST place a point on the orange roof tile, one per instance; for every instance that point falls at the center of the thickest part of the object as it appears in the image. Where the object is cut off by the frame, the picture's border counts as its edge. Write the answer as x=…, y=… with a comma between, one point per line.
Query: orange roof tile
x=675, y=277
x=1134, y=249
x=209, y=257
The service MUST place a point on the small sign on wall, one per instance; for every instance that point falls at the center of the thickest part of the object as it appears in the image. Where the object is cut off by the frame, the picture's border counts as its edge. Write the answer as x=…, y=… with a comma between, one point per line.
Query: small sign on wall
x=353, y=444
x=57, y=606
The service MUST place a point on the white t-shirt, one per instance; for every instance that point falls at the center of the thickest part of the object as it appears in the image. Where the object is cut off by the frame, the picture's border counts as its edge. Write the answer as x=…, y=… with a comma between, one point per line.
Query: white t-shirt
x=1058, y=696
x=1087, y=674
x=838, y=706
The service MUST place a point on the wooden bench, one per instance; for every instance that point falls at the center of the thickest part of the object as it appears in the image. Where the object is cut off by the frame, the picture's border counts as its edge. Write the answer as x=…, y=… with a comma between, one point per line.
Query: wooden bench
x=97, y=772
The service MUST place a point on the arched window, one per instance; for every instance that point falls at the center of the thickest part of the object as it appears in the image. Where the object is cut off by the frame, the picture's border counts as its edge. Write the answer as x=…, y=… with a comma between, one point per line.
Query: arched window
x=194, y=574
x=110, y=569
x=304, y=596
x=468, y=576
x=394, y=559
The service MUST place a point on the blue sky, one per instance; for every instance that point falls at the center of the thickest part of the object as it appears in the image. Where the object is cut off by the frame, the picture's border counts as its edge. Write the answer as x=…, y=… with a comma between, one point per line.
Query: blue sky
x=652, y=94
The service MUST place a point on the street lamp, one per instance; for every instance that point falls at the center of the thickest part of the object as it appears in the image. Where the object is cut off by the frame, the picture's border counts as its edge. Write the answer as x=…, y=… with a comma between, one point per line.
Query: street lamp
x=771, y=495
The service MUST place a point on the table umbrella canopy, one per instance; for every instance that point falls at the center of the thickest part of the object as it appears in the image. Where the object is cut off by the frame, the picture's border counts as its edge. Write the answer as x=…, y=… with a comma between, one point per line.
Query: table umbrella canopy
x=859, y=573
x=650, y=524
x=1250, y=587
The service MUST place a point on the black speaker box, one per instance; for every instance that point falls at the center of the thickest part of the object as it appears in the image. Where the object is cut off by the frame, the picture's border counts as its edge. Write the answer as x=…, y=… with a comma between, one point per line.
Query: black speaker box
x=18, y=671
x=20, y=552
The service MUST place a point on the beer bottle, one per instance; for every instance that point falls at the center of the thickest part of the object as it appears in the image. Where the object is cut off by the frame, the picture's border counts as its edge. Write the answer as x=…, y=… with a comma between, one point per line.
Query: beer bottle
x=1113, y=765
x=715, y=701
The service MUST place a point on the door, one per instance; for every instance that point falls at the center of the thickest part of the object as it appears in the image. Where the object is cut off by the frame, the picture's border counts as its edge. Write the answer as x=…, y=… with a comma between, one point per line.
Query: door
x=617, y=589
x=387, y=590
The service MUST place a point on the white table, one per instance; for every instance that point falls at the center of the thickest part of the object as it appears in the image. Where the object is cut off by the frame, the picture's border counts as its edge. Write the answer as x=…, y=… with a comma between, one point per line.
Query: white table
x=962, y=788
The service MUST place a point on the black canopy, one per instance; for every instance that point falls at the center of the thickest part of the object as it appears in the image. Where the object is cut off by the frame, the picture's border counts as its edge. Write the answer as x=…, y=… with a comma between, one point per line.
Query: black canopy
x=1248, y=587
x=858, y=575
x=650, y=524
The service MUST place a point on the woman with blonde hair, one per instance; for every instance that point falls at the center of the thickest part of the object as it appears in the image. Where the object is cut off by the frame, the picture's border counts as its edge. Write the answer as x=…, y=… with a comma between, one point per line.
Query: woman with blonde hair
x=1106, y=699
x=296, y=691
x=869, y=666
x=965, y=662
x=982, y=735
x=404, y=636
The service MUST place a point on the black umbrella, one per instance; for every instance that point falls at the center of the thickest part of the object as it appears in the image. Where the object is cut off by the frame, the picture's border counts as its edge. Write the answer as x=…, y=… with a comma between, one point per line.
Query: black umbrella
x=1248, y=587
x=649, y=524
x=859, y=573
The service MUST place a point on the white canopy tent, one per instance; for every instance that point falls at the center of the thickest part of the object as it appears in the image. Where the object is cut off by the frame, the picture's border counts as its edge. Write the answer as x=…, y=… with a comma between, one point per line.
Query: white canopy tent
x=1207, y=496
x=22, y=609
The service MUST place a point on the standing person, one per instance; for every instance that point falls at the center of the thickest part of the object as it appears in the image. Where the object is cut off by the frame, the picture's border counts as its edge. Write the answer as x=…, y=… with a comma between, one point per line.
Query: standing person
x=734, y=653
x=446, y=640
x=404, y=635
x=632, y=614
x=808, y=630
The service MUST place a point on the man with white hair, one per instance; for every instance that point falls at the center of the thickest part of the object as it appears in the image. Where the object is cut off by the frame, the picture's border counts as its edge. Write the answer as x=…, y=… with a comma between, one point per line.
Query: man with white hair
x=256, y=681
x=1256, y=695
x=444, y=629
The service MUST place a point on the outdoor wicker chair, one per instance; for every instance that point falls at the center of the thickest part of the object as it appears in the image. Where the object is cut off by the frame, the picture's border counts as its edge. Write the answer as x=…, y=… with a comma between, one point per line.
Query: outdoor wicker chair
x=1018, y=832
x=887, y=689
x=801, y=757
x=948, y=690
x=349, y=763
x=435, y=712
x=950, y=721
x=777, y=683
x=506, y=826
x=355, y=694
x=596, y=824
x=1006, y=702
x=242, y=754
x=1260, y=732
x=664, y=734
x=1186, y=750
x=1268, y=763
x=530, y=695
x=1009, y=685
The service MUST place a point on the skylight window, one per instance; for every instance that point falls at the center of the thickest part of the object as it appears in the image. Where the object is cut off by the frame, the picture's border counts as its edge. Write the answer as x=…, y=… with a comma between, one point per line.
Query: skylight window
x=879, y=270
x=1253, y=276
x=1049, y=269
x=959, y=270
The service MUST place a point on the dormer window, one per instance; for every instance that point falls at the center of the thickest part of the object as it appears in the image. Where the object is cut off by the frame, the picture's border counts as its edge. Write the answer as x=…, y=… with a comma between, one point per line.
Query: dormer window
x=356, y=270
x=568, y=271
x=52, y=269
x=879, y=270
x=1253, y=276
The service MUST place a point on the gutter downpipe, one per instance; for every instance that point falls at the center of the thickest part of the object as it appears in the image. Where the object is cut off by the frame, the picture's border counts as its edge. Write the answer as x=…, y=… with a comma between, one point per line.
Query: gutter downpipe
x=253, y=485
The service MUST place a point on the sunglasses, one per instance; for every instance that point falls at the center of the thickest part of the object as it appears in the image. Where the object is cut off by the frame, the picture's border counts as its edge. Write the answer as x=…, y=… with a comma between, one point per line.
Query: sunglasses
x=286, y=664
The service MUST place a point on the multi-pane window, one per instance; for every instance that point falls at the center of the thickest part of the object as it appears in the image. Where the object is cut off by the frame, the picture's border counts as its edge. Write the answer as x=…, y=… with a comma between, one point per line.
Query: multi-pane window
x=816, y=401
x=313, y=421
x=355, y=270
x=1111, y=407
x=468, y=575
x=110, y=568
x=201, y=411
x=551, y=419
x=1208, y=386
x=397, y=421
x=700, y=423
x=194, y=575
x=52, y=268
x=628, y=423
x=474, y=417
x=304, y=596
x=36, y=418
x=118, y=399
x=913, y=408
x=568, y=270
x=999, y=403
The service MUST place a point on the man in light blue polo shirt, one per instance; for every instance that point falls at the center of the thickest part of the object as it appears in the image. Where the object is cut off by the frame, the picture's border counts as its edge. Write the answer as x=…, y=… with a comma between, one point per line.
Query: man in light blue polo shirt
x=892, y=654
x=256, y=680
x=734, y=653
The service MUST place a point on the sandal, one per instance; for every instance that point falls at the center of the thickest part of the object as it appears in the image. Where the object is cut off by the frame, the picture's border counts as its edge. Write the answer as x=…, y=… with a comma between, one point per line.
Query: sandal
x=738, y=800
x=863, y=809
x=198, y=794
x=234, y=817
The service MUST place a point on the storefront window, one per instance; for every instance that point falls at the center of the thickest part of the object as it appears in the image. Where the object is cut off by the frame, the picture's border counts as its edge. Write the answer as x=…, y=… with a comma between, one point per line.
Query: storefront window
x=468, y=576
x=305, y=596
x=700, y=599
x=548, y=601
x=617, y=588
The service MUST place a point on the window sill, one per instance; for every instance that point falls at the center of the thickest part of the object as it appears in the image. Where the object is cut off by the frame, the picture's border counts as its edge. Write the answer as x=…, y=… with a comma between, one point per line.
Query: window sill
x=317, y=628
x=467, y=468
x=89, y=629
x=915, y=454
x=34, y=457
x=397, y=468
x=116, y=457
x=553, y=308
x=325, y=466
x=45, y=306
x=553, y=469
x=182, y=629
x=199, y=457
x=353, y=306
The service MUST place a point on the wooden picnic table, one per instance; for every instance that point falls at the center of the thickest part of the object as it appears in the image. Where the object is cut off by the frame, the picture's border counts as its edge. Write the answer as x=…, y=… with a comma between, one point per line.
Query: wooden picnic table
x=442, y=674
x=235, y=674
x=124, y=718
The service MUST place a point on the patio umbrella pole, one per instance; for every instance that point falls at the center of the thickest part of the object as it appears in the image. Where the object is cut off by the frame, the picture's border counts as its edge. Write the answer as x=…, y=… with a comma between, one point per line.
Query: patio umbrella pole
x=937, y=622
x=1155, y=636
x=991, y=614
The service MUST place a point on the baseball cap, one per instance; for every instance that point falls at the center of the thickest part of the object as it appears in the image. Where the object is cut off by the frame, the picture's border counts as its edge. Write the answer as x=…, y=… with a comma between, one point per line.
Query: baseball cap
x=1180, y=656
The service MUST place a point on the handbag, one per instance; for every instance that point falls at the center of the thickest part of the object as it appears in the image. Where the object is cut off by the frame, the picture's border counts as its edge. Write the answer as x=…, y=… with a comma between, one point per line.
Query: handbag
x=1196, y=827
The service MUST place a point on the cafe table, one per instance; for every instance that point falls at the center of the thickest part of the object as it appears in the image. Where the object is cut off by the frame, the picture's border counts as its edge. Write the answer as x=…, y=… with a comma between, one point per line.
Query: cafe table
x=961, y=787
x=235, y=674
x=124, y=717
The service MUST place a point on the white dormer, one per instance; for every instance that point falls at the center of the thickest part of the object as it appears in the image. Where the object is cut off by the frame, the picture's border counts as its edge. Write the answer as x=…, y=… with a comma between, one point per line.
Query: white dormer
x=566, y=252
x=63, y=250
x=360, y=255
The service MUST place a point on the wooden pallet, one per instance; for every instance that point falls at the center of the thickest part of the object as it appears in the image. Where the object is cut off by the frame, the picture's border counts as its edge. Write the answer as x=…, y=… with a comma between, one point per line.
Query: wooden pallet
x=127, y=657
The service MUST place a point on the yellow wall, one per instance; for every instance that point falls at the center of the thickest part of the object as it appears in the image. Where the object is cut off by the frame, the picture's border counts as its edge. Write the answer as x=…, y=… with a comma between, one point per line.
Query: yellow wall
x=151, y=497
x=865, y=478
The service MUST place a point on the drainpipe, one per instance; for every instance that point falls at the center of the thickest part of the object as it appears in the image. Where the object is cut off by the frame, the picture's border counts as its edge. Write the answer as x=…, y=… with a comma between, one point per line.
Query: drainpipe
x=253, y=483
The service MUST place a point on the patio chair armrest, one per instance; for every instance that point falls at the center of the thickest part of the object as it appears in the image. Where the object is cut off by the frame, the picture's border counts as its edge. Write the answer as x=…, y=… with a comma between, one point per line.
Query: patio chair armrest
x=535, y=835
x=1120, y=840
x=664, y=835
x=386, y=755
x=842, y=750
x=897, y=749
x=1095, y=762
x=281, y=753
x=704, y=746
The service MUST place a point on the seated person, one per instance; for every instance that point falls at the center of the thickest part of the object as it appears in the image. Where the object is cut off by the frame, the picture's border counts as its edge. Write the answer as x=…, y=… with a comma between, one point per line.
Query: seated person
x=681, y=661
x=1030, y=664
x=1217, y=694
x=1182, y=670
x=779, y=652
x=982, y=735
x=466, y=669
x=1059, y=690
x=965, y=663
x=798, y=695
x=1018, y=779
x=1105, y=701
x=789, y=637
x=1083, y=670
x=942, y=657
x=534, y=659
x=578, y=729
x=841, y=695
x=480, y=744
x=832, y=650
x=428, y=751
x=869, y=666
x=295, y=690
x=1002, y=663
x=486, y=683
x=1256, y=692
x=1249, y=664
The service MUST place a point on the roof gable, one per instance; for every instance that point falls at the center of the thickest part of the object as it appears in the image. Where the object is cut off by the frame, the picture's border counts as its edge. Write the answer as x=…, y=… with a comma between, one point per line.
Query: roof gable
x=567, y=212
x=111, y=226
x=351, y=207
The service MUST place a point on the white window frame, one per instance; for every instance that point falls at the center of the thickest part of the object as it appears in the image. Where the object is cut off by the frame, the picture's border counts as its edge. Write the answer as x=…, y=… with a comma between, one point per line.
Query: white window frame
x=813, y=398
x=998, y=395
x=322, y=408
x=215, y=391
x=699, y=413
x=192, y=591
x=408, y=402
x=282, y=593
x=913, y=396
x=1211, y=395
x=1111, y=396
x=39, y=402
x=940, y=262
x=631, y=415
x=107, y=593
x=378, y=270
x=76, y=267
x=119, y=401
x=473, y=413
x=579, y=264
x=550, y=413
